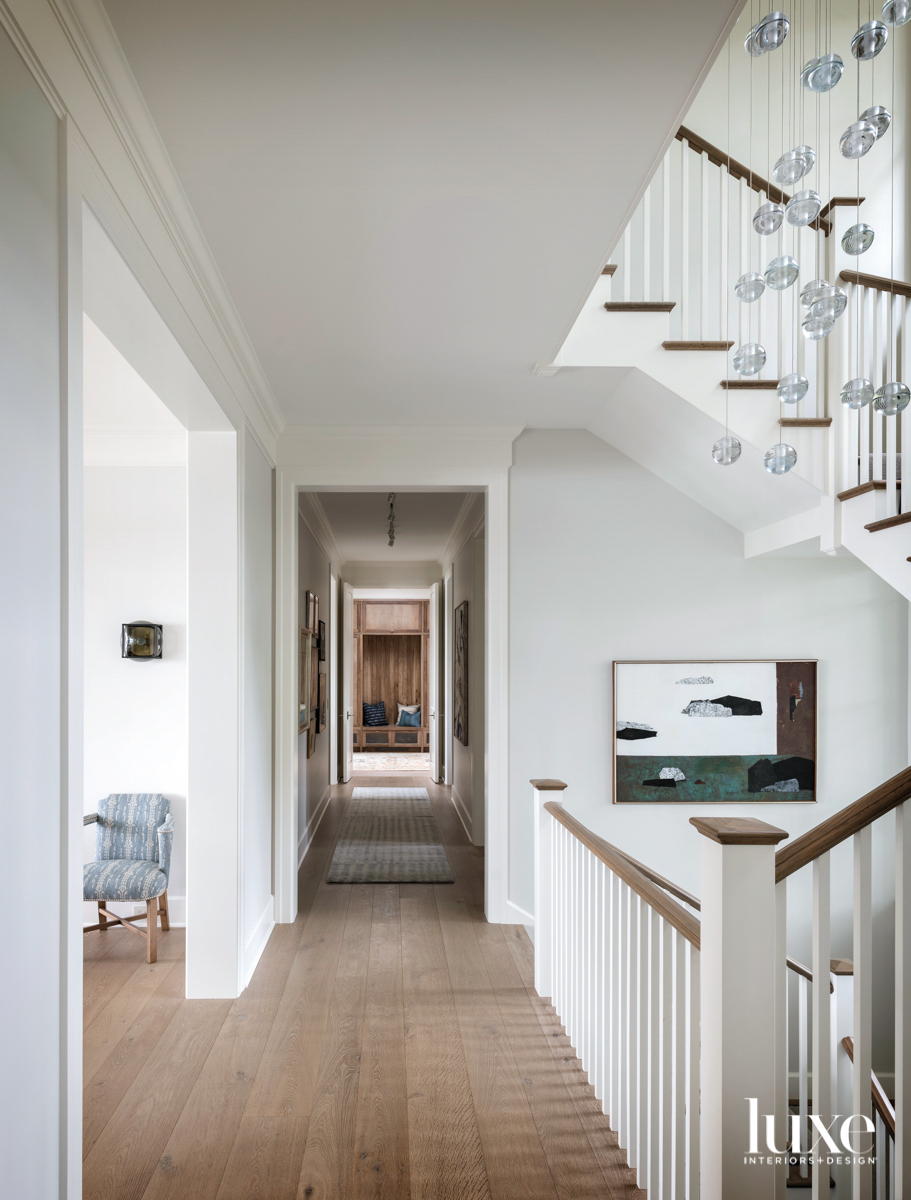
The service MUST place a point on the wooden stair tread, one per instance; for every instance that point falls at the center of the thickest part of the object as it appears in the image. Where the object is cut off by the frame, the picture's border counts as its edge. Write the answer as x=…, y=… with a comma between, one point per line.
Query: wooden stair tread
x=609, y=269
x=664, y=306
x=749, y=385
x=872, y=485
x=725, y=346
x=889, y=522
x=805, y=422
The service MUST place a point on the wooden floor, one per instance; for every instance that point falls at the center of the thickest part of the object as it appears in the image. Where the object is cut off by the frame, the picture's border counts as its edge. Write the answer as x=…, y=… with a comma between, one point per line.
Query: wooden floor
x=390, y=1045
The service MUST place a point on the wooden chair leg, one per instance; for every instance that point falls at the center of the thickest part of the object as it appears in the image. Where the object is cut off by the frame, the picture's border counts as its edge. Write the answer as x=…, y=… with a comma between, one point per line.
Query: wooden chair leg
x=163, y=909
x=103, y=922
x=152, y=930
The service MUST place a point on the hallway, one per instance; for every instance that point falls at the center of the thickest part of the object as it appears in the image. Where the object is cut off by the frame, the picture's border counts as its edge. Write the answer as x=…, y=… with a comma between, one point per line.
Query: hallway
x=389, y=1045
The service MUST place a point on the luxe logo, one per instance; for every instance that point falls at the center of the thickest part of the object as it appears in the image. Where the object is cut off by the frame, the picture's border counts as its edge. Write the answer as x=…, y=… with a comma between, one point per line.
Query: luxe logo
x=850, y=1133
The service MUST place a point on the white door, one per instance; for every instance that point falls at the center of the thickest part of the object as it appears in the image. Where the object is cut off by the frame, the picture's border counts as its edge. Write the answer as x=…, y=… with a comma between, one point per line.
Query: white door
x=433, y=682
x=347, y=682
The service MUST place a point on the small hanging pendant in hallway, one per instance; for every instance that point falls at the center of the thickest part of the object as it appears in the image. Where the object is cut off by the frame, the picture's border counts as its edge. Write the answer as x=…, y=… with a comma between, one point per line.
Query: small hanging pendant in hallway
x=391, y=499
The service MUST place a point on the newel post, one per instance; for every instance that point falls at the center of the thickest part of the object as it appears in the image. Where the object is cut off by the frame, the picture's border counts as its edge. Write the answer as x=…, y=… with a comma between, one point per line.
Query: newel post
x=738, y=987
x=544, y=884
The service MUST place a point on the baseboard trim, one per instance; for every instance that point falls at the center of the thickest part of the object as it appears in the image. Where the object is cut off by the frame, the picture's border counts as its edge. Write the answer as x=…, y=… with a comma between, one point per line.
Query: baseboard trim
x=256, y=942
x=461, y=811
x=312, y=825
x=520, y=916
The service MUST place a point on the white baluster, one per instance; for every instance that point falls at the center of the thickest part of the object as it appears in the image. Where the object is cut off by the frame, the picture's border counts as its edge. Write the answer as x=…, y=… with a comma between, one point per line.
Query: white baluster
x=616, y=1004
x=623, y=1131
x=782, y=1078
x=902, y=1173
x=655, y=1014
x=666, y=227
x=627, y=263
x=861, y=1173
x=647, y=244
x=684, y=240
x=822, y=1019
x=634, y=1156
x=892, y=422
x=879, y=340
x=905, y=418
x=724, y=282
x=694, y=1074
x=704, y=248
x=803, y=1066
x=677, y=1147
x=866, y=360
x=545, y=827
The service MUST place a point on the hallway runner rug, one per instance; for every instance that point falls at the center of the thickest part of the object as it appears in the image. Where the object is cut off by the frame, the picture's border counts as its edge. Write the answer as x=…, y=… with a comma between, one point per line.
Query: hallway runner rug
x=389, y=835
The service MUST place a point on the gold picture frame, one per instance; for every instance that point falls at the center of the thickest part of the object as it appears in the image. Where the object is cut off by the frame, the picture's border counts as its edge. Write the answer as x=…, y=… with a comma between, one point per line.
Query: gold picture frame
x=305, y=671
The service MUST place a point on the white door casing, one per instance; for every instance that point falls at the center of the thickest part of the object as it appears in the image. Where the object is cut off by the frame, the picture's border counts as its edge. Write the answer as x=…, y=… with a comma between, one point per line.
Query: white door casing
x=347, y=682
x=433, y=681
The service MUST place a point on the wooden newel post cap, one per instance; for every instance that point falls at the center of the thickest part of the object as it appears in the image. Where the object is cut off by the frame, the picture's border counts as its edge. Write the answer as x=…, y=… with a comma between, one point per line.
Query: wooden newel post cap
x=548, y=785
x=739, y=831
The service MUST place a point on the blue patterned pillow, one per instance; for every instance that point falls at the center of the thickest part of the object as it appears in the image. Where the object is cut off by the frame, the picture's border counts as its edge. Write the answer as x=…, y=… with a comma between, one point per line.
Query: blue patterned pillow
x=407, y=718
x=375, y=714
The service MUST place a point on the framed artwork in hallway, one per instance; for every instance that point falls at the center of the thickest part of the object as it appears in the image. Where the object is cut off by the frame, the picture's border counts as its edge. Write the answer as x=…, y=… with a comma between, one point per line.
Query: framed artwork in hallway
x=716, y=731
x=322, y=641
x=303, y=686
x=322, y=702
x=460, y=673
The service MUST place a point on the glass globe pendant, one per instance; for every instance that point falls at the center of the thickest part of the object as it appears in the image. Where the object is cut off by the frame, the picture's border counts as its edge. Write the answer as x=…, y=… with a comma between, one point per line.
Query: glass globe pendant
x=779, y=459
x=802, y=208
x=857, y=393
x=892, y=398
x=792, y=388
x=829, y=303
x=768, y=217
x=823, y=73
x=726, y=451
x=795, y=164
x=857, y=139
x=781, y=272
x=857, y=239
x=816, y=328
x=749, y=359
x=869, y=40
x=879, y=117
x=749, y=287
x=810, y=291
x=767, y=34
x=897, y=12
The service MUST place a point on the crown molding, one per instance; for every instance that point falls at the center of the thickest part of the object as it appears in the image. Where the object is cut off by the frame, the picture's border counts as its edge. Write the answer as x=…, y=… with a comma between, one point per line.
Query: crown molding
x=93, y=42
x=405, y=433
x=465, y=525
x=314, y=517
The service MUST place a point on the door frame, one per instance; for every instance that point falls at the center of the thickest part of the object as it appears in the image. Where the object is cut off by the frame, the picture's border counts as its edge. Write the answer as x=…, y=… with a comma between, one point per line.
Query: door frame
x=333, y=458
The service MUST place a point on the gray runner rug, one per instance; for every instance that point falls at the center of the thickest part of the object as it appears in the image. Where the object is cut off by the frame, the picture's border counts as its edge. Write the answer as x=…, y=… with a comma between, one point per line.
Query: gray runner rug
x=389, y=835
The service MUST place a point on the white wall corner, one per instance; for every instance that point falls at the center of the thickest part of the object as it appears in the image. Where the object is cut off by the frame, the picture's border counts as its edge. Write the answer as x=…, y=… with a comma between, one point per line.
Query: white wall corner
x=257, y=941
x=546, y=370
x=519, y=916
x=306, y=839
x=314, y=517
x=788, y=532
x=466, y=519
x=461, y=811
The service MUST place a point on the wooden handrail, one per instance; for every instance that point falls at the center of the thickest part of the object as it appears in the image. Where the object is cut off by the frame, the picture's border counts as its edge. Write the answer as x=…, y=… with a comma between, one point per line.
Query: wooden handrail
x=881, y=1101
x=737, y=170
x=894, y=286
x=653, y=895
x=843, y=825
x=673, y=888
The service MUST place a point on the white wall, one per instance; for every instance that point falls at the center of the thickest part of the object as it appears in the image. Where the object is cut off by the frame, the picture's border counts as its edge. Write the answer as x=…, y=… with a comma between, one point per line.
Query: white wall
x=35, y=1047
x=314, y=775
x=256, y=745
x=136, y=712
x=608, y=562
x=468, y=762
x=391, y=575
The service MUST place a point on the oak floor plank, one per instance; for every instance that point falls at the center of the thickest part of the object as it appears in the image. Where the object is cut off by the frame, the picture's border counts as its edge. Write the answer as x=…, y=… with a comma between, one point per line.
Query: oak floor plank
x=513, y=1154
x=379, y=1164
x=107, y=975
x=331, y=1129
x=120, y=1163
x=113, y=1020
x=96, y=944
x=104, y=1092
x=266, y=1157
x=194, y=1159
x=444, y=1144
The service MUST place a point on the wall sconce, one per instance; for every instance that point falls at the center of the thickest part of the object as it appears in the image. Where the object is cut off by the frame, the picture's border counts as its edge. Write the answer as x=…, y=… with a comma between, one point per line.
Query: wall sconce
x=140, y=639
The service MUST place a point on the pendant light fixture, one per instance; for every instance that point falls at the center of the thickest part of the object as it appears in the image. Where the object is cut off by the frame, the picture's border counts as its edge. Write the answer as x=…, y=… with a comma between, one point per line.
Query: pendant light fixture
x=750, y=359
x=726, y=450
x=779, y=459
x=391, y=518
x=857, y=139
x=767, y=34
x=857, y=393
x=897, y=12
x=858, y=239
x=749, y=287
x=878, y=116
x=823, y=73
x=792, y=388
x=869, y=40
x=793, y=165
x=781, y=272
x=892, y=398
x=768, y=217
x=803, y=208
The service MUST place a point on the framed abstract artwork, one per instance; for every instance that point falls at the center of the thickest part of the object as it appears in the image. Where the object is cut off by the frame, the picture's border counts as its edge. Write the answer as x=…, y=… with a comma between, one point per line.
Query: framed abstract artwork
x=311, y=612
x=303, y=686
x=460, y=673
x=714, y=731
x=311, y=737
x=322, y=705
x=322, y=641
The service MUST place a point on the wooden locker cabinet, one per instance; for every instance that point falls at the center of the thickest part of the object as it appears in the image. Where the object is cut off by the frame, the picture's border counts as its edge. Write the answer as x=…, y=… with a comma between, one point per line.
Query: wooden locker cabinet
x=391, y=643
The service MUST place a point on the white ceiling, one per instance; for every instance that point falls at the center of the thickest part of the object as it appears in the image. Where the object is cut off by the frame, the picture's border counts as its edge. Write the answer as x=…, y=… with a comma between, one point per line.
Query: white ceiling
x=408, y=201
x=423, y=523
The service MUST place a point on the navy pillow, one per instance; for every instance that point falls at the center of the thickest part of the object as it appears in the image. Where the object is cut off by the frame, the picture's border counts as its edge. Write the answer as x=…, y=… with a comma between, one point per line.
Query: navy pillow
x=407, y=718
x=375, y=714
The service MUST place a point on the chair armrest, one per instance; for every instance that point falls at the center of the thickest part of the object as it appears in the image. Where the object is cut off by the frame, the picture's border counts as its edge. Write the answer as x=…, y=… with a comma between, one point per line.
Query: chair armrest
x=165, y=838
x=90, y=818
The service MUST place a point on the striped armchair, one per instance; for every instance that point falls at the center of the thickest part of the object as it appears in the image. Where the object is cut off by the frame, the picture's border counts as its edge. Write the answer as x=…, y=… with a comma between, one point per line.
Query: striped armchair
x=132, y=862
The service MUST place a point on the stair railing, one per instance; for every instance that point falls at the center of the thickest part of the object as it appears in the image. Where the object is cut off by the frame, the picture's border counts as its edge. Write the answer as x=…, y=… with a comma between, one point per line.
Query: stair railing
x=680, y=1025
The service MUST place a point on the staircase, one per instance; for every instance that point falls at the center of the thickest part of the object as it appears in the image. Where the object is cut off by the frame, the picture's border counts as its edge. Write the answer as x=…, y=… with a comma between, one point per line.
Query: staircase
x=666, y=311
